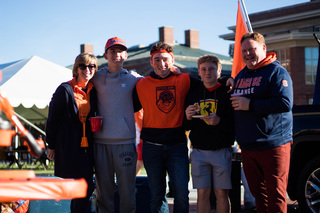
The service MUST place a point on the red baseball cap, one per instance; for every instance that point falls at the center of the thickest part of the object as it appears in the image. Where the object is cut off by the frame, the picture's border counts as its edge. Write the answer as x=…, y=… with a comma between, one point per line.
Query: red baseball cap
x=115, y=41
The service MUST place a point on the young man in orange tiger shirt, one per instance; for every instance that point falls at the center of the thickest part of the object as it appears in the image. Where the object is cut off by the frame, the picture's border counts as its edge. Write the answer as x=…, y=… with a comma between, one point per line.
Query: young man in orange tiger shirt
x=162, y=96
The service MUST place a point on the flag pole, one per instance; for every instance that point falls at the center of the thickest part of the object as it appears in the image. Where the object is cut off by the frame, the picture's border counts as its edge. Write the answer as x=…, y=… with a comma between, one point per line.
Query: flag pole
x=244, y=9
x=316, y=37
x=316, y=94
x=243, y=26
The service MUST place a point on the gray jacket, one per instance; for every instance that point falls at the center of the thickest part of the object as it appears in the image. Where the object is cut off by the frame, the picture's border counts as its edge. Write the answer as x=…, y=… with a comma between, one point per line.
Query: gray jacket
x=115, y=105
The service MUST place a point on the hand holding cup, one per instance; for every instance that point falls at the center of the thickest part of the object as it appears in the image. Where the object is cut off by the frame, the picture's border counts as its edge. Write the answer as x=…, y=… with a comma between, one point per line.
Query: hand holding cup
x=239, y=102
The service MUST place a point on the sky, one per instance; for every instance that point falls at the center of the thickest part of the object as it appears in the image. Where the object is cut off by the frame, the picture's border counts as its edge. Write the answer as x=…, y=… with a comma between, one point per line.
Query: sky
x=54, y=30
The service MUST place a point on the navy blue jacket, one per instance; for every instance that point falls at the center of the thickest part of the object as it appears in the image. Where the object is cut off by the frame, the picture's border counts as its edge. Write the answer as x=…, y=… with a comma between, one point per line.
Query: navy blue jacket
x=268, y=123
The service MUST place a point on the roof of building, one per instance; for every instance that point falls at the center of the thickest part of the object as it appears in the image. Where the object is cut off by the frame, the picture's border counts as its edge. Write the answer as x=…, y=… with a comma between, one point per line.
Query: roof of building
x=185, y=58
x=275, y=17
x=285, y=11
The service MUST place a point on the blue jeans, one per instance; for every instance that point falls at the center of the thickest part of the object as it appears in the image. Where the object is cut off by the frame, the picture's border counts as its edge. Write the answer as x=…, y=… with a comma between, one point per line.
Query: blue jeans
x=159, y=159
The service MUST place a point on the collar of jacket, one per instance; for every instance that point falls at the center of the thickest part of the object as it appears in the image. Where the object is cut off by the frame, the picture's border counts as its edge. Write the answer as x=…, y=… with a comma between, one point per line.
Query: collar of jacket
x=154, y=75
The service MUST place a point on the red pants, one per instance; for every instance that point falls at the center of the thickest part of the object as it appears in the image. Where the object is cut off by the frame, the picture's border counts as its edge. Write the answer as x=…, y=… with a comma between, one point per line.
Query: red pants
x=267, y=175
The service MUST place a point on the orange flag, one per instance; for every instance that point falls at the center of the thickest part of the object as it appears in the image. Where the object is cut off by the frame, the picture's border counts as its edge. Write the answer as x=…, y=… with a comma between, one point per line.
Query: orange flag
x=241, y=29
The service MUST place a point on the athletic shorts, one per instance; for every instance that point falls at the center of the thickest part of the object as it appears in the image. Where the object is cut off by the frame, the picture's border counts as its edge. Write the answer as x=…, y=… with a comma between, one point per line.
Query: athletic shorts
x=211, y=167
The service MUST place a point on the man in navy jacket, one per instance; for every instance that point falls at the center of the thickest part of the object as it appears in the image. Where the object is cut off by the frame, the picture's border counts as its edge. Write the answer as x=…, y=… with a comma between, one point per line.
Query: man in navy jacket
x=263, y=123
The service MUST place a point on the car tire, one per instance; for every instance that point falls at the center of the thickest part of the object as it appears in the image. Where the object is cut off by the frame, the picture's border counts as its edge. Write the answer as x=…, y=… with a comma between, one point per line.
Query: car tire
x=309, y=187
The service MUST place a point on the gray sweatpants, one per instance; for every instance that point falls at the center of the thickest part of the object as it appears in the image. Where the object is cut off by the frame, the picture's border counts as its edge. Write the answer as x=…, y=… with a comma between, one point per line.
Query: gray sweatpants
x=119, y=160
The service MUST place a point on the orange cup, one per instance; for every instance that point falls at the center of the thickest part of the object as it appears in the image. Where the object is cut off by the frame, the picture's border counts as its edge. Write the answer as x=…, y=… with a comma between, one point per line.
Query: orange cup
x=96, y=123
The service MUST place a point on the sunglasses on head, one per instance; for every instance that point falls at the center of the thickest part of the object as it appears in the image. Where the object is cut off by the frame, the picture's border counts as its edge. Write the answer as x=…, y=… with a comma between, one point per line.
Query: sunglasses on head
x=84, y=67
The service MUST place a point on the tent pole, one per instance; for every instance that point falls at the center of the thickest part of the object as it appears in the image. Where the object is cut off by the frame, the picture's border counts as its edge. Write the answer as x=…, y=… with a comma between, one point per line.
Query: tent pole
x=31, y=124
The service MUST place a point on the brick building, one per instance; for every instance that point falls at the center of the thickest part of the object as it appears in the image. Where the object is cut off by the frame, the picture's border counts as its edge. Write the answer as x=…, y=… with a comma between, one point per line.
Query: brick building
x=289, y=33
x=186, y=54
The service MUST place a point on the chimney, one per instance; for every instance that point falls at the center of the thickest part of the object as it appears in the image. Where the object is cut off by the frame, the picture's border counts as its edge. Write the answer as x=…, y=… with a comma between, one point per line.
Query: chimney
x=86, y=48
x=192, y=38
x=166, y=35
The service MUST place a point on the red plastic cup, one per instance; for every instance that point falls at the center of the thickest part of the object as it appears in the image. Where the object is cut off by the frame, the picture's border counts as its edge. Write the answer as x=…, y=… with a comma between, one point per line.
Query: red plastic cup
x=96, y=123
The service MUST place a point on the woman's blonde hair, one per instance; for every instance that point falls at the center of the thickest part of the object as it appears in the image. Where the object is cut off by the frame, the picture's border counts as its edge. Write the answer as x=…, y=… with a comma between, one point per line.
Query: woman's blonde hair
x=84, y=58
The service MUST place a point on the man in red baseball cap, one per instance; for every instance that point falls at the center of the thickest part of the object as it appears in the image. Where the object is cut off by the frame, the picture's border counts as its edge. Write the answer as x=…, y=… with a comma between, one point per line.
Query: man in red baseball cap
x=114, y=144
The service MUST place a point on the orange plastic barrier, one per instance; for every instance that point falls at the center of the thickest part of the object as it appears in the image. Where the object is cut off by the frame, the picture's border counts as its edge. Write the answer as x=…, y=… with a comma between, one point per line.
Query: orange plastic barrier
x=16, y=174
x=15, y=187
x=6, y=137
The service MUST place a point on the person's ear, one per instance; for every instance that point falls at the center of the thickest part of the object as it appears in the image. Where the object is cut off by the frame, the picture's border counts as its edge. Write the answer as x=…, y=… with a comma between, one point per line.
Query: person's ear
x=105, y=56
x=219, y=72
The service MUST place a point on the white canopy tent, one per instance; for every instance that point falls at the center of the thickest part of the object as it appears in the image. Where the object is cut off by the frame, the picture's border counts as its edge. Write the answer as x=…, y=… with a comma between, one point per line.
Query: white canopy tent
x=29, y=85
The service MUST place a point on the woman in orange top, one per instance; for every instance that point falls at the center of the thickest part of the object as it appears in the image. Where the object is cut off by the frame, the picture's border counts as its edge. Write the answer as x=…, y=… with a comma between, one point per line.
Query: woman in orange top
x=68, y=129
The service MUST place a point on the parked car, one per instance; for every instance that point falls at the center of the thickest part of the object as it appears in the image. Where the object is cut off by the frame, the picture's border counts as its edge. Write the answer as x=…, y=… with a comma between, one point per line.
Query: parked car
x=304, y=175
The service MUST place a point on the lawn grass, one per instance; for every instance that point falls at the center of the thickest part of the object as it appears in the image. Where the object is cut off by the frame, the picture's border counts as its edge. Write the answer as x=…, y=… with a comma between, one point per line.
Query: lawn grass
x=39, y=169
x=36, y=166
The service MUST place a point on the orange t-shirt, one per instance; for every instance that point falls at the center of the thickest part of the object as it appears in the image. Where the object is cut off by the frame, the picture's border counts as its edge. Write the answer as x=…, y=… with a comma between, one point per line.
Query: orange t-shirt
x=163, y=100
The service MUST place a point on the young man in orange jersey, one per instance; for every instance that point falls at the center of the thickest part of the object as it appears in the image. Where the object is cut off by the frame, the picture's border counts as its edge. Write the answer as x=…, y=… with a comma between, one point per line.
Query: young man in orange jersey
x=162, y=96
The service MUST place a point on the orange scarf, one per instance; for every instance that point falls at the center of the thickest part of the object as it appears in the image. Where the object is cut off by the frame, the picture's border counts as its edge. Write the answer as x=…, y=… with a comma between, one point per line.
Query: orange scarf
x=271, y=57
x=83, y=103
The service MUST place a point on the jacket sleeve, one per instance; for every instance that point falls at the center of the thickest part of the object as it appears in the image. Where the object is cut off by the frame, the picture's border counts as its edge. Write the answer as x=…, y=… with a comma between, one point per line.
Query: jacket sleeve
x=57, y=107
x=226, y=114
x=194, y=84
x=136, y=102
x=281, y=95
x=187, y=124
x=93, y=103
